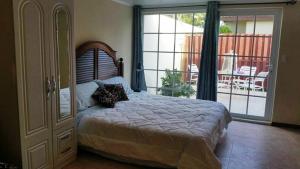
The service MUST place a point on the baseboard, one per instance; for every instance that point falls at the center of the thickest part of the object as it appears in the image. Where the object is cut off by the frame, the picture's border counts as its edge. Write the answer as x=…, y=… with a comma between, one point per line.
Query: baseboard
x=294, y=126
x=275, y=124
x=252, y=121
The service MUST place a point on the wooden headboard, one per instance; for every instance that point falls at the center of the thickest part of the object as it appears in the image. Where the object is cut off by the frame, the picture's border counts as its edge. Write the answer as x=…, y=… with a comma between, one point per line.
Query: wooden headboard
x=97, y=60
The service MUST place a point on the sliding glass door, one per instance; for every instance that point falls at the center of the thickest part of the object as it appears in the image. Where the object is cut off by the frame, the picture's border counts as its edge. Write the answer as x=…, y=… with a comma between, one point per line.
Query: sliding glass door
x=247, y=56
x=247, y=61
x=172, y=42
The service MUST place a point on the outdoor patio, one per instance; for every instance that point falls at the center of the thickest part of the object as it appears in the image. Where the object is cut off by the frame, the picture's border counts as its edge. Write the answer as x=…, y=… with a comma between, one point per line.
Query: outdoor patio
x=256, y=105
x=241, y=101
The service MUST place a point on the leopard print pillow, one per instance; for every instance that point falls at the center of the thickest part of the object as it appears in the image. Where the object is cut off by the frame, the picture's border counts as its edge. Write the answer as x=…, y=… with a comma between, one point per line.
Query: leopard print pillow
x=104, y=97
x=117, y=90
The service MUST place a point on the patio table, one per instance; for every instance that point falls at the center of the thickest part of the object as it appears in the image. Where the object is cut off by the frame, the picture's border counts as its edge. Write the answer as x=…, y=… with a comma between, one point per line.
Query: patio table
x=239, y=78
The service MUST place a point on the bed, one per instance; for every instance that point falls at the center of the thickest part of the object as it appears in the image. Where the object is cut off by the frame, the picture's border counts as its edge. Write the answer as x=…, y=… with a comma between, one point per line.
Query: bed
x=147, y=129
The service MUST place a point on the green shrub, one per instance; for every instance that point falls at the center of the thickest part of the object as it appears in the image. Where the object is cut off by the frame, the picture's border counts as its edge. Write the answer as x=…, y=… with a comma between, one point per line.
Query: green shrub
x=173, y=85
x=225, y=29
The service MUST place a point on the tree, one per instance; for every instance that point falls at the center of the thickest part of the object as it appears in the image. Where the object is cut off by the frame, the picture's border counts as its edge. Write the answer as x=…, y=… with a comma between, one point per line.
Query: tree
x=199, y=18
x=225, y=29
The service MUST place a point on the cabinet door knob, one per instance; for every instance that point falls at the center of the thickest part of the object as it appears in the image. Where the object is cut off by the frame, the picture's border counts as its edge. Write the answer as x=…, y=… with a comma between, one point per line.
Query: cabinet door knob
x=53, y=82
x=48, y=87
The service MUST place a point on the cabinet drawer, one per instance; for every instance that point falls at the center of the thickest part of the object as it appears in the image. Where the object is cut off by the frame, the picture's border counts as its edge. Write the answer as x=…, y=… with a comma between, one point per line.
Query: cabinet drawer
x=64, y=145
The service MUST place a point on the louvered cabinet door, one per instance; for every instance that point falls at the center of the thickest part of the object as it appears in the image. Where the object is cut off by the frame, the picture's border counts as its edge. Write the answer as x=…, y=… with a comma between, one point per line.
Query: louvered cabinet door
x=33, y=74
x=62, y=54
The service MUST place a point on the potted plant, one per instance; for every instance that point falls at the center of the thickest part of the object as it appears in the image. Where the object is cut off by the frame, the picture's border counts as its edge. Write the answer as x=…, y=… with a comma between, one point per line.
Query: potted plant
x=173, y=85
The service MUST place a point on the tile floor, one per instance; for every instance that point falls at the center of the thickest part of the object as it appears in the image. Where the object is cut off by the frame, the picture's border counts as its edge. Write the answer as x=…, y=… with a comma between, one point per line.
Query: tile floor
x=247, y=146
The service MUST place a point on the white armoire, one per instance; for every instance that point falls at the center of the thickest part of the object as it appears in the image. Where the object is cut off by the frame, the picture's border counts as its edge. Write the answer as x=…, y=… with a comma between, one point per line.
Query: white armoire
x=44, y=76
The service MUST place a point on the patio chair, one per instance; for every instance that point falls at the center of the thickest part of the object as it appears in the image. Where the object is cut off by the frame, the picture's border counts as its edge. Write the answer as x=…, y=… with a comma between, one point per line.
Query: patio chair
x=194, y=73
x=229, y=64
x=255, y=83
x=224, y=81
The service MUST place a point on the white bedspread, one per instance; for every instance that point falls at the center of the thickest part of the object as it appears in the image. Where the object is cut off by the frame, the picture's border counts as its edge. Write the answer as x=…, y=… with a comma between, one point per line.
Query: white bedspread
x=176, y=132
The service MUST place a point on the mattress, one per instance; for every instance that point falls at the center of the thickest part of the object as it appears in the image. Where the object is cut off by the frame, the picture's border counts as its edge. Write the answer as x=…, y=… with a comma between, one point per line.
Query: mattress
x=176, y=132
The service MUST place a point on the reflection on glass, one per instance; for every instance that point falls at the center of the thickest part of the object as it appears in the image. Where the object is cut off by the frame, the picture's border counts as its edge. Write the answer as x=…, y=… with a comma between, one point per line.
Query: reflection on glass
x=62, y=42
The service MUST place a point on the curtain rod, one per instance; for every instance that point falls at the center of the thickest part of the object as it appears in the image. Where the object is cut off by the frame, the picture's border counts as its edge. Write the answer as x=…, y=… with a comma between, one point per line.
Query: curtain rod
x=290, y=2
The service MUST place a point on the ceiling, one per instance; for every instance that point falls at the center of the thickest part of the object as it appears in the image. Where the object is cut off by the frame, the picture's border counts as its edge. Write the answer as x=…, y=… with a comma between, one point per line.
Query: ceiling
x=185, y=2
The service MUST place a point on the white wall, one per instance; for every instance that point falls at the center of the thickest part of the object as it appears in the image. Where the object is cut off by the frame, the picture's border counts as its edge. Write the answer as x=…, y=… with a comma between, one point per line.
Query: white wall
x=107, y=21
x=262, y=27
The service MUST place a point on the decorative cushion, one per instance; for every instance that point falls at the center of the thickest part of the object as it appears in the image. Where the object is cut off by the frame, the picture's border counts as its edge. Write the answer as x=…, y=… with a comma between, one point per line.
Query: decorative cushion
x=117, y=80
x=116, y=90
x=104, y=97
x=84, y=93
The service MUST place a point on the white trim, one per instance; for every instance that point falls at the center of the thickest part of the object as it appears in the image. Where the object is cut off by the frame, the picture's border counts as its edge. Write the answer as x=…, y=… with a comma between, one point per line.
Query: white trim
x=125, y=2
x=174, y=10
x=172, y=3
x=227, y=11
x=274, y=60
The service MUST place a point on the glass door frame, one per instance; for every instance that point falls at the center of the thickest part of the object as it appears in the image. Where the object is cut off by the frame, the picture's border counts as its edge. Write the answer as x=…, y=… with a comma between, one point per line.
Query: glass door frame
x=277, y=13
x=164, y=11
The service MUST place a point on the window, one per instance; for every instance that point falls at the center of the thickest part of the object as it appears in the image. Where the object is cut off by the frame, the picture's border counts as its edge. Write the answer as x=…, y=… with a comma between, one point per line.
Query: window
x=172, y=45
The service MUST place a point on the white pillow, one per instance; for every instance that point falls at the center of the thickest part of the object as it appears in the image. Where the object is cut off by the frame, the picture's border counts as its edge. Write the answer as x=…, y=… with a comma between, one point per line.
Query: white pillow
x=84, y=95
x=118, y=80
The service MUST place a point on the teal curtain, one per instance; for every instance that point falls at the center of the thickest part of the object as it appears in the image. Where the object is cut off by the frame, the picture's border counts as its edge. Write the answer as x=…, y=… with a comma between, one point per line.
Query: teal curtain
x=138, y=82
x=207, y=82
